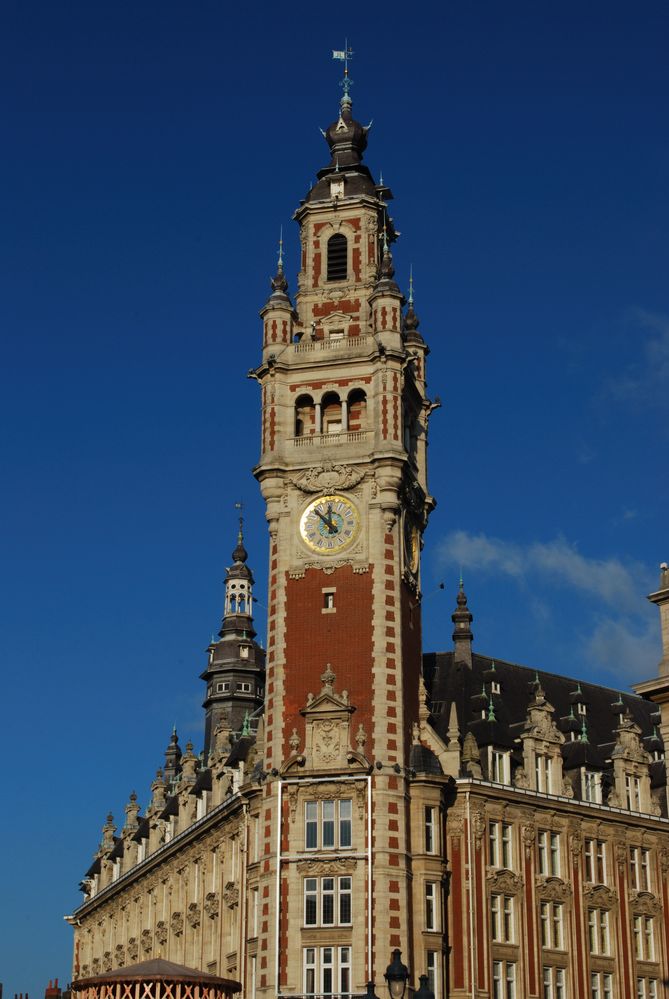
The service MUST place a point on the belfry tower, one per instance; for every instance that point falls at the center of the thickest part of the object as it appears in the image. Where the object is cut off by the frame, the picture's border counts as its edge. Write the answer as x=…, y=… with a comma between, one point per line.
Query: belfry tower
x=343, y=475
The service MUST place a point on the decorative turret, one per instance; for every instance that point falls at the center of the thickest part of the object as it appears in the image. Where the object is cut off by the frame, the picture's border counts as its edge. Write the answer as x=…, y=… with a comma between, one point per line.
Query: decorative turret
x=236, y=668
x=411, y=320
x=462, y=633
x=278, y=313
x=172, y=758
x=132, y=810
x=661, y=600
x=108, y=831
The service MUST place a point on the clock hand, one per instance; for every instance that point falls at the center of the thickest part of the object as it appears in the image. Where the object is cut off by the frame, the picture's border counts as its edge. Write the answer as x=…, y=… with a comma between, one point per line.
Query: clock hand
x=326, y=520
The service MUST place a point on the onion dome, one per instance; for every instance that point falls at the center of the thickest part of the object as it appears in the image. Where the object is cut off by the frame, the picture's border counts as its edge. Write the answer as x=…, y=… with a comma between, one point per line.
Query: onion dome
x=385, y=282
x=346, y=137
x=279, y=298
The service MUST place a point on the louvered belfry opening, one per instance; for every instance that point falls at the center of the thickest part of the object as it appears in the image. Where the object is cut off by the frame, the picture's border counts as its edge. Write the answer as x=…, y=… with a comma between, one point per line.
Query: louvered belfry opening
x=337, y=257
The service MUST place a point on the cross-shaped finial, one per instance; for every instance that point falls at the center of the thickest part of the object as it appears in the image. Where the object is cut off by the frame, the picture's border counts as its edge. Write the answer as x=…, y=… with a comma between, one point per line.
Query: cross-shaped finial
x=280, y=250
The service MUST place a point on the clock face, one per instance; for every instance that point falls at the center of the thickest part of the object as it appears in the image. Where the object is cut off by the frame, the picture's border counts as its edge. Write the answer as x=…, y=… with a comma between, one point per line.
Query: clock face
x=330, y=524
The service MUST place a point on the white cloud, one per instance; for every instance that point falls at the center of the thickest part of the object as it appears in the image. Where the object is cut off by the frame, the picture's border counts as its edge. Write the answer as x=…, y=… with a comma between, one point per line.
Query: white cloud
x=553, y=562
x=647, y=379
x=626, y=649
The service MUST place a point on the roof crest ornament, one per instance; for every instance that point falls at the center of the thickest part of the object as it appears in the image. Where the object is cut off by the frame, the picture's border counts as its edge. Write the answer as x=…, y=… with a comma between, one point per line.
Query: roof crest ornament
x=346, y=84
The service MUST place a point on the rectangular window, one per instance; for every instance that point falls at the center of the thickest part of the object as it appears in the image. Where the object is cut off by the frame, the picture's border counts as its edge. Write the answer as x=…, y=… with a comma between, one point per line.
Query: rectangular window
x=555, y=983
x=647, y=988
x=499, y=844
x=591, y=786
x=549, y=853
x=327, y=901
x=595, y=861
x=432, y=972
x=504, y=980
x=633, y=793
x=598, y=931
x=640, y=868
x=327, y=824
x=601, y=985
x=243, y=651
x=552, y=925
x=644, y=938
x=501, y=918
x=327, y=971
x=431, y=905
x=542, y=768
x=244, y=687
x=430, y=841
x=498, y=766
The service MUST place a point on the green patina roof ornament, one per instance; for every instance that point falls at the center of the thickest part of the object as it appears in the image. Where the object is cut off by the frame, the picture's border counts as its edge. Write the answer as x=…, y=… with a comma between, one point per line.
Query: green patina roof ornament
x=411, y=284
x=280, y=254
x=484, y=693
x=584, y=732
x=537, y=681
x=572, y=716
x=491, y=712
x=246, y=725
x=492, y=667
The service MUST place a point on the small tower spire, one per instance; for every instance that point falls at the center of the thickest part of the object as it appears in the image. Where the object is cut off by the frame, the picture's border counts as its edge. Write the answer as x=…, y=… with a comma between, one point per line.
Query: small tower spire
x=412, y=322
x=462, y=633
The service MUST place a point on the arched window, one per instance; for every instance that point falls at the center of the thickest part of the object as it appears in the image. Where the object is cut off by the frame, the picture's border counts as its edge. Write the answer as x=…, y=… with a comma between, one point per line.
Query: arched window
x=357, y=410
x=305, y=416
x=331, y=412
x=337, y=257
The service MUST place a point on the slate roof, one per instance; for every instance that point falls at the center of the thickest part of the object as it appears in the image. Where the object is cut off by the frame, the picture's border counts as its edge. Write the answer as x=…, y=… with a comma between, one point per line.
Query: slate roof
x=448, y=681
x=157, y=969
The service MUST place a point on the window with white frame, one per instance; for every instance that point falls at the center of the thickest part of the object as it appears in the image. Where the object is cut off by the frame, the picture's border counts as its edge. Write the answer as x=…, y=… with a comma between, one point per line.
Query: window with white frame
x=640, y=868
x=431, y=845
x=327, y=971
x=222, y=688
x=633, y=792
x=244, y=687
x=644, y=938
x=432, y=962
x=599, y=937
x=595, y=861
x=647, y=988
x=328, y=824
x=431, y=905
x=552, y=925
x=255, y=899
x=601, y=985
x=555, y=983
x=498, y=765
x=549, y=853
x=591, y=786
x=327, y=901
x=499, y=844
x=503, y=980
x=542, y=773
x=501, y=918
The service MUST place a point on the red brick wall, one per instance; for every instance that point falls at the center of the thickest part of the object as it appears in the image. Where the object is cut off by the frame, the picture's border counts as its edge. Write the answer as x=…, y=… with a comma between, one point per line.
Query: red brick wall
x=344, y=639
x=411, y=662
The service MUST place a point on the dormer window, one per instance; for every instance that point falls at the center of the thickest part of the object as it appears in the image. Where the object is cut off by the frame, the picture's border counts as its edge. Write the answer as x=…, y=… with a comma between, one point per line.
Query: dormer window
x=337, y=258
x=498, y=765
x=495, y=687
x=243, y=651
x=581, y=708
x=591, y=786
x=337, y=188
x=633, y=792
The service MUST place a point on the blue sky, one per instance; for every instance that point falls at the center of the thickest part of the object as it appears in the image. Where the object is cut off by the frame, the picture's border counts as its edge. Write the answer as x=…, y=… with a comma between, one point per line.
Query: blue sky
x=150, y=154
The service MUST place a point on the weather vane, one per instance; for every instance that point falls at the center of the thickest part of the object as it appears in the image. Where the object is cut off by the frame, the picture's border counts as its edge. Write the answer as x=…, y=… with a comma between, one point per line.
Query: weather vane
x=240, y=506
x=343, y=55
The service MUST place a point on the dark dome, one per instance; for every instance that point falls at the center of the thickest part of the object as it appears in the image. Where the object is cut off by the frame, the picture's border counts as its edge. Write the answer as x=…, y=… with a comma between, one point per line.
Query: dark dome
x=346, y=138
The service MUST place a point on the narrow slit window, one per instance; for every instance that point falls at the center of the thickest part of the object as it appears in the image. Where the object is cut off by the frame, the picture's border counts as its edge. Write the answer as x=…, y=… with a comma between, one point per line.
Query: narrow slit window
x=337, y=257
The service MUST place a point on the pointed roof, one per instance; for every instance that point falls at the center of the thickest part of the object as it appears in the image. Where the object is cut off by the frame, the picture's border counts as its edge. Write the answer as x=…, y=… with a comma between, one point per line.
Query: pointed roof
x=157, y=969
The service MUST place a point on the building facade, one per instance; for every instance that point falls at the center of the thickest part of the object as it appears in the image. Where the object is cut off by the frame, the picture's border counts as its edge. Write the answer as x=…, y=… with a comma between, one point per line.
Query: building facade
x=505, y=829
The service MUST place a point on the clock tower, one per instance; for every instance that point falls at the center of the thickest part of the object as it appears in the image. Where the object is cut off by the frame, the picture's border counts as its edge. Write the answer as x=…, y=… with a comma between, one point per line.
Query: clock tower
x=343, y=475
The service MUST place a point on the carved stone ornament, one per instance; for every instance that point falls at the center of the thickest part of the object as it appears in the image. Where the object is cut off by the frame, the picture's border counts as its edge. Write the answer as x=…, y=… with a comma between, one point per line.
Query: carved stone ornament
x=644, y=903
x=478, y=828
x=211, y=904
x=520, y=778
x=600, y=896
x=664, y=860
x=231, y=894
x=338, y=865
x=146, y=941
x=291, y=795
x=529, y=835
x=455, y=825
x=327, y=730
x=326, y=477
x=193, y=915
x=620, y=849
x=133, y=949
x=553, y=890
x=567, y=788
x=504, y=881
x=177, y=924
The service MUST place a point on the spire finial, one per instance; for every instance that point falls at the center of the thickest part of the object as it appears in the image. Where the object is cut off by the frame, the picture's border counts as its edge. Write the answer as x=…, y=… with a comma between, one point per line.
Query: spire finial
x=461, y=584
x=246, y=725
x=411, y=284
x=584, y=731
x=346, y=84
x=385, y=238
x=239, y=505
x=281, y=248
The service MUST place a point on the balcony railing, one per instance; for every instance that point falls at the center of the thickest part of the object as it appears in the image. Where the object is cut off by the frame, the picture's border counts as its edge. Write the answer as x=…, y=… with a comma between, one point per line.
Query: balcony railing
x=332, y=343
x=333, y=439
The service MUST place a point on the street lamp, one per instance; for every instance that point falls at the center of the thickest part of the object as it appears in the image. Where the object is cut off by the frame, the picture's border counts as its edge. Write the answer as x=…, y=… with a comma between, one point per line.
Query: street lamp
x=397, y=975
